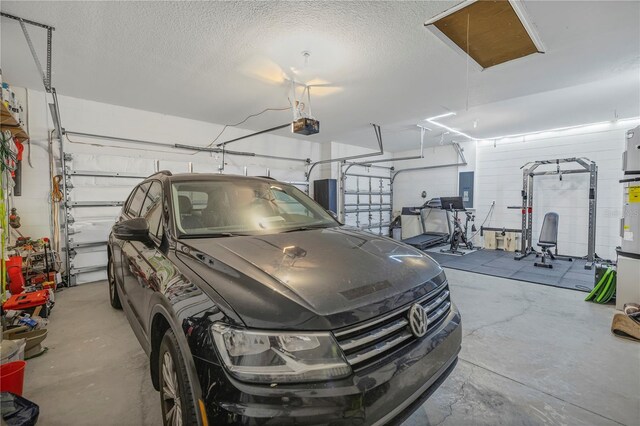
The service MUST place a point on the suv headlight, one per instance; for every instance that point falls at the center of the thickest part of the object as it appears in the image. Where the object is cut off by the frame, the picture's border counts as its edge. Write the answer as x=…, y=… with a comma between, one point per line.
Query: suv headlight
x=279, y=357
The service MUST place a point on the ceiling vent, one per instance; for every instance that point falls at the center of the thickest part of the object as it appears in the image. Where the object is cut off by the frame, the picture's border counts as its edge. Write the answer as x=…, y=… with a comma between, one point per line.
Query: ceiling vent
x=489, y=32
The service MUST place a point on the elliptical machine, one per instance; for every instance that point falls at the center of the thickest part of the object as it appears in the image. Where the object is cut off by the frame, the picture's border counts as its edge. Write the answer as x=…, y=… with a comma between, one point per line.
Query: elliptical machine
x=459, y=235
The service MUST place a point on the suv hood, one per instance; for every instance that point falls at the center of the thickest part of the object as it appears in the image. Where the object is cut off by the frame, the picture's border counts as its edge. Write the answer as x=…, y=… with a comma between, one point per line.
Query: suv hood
x=314, y=279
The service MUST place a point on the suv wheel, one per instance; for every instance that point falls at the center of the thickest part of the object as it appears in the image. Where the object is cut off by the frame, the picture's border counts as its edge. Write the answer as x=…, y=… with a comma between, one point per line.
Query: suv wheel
x=176, y=400
x=114, y=298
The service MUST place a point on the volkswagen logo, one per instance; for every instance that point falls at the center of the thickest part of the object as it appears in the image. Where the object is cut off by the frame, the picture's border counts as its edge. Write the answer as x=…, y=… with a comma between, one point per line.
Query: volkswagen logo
x=418, y=320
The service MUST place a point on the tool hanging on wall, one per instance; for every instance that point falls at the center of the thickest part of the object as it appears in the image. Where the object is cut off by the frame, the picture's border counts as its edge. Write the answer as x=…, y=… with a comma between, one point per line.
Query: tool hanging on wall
x=8, y=152
x=14, y=219
x=56, y=196
x=4, y=228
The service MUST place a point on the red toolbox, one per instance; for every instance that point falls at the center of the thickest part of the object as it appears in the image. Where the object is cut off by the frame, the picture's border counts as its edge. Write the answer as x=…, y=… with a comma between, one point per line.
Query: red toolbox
x=42, y=277
x=29, y=302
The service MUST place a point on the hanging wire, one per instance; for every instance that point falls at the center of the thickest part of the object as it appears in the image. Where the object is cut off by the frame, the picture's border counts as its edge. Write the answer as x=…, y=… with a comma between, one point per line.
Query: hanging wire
x=56, y=196
x=8, y=152
x=242, y=122
x=56, y=193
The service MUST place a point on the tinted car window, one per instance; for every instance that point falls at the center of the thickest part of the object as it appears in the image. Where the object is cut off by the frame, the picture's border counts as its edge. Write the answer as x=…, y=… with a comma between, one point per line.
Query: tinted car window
x=152, y=198
x=152, y=209
x=290, y=205
x=243, y=207
x=137, y=199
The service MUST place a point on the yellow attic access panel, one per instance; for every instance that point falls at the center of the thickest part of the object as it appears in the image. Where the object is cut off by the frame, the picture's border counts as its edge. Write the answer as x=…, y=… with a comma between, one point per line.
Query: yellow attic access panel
x=496, y=31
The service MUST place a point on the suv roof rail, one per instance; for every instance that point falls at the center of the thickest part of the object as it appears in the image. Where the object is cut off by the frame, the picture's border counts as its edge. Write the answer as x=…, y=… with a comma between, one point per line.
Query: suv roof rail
x=266, y=177
x=163, y=172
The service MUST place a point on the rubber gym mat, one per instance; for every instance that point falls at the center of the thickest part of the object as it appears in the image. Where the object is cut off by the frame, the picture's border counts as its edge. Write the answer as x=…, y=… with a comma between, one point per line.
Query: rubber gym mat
x=497, y=263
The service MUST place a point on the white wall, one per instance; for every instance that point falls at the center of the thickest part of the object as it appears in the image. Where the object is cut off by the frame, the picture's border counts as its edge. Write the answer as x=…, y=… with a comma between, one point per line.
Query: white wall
x=438, y=182
x=499, y=178
x=94, y=154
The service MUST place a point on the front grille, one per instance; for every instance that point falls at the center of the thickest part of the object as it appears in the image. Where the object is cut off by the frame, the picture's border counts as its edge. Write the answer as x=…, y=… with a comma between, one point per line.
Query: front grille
x=366, y=343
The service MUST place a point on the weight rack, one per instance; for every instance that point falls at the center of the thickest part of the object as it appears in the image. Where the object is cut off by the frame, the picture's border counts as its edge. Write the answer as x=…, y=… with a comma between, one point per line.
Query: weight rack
x=529, y=171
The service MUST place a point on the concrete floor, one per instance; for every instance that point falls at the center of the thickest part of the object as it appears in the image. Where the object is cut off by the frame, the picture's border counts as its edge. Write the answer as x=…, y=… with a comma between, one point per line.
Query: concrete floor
x=532, y=355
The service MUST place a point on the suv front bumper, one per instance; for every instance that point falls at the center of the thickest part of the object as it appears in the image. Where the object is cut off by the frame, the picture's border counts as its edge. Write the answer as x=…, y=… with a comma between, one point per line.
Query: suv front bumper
x=383, y=393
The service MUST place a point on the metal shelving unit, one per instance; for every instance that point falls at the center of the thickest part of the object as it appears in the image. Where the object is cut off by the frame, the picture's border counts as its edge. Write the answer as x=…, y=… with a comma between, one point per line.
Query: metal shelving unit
x=8, y=122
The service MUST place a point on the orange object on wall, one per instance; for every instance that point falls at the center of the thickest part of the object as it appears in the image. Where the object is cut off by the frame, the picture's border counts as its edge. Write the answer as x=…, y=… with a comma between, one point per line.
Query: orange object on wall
x=14, y=270
x=19, y=156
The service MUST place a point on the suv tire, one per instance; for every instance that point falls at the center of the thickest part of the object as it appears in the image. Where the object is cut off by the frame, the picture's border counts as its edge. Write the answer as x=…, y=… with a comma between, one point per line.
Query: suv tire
x=114, y=298
x=175, y=392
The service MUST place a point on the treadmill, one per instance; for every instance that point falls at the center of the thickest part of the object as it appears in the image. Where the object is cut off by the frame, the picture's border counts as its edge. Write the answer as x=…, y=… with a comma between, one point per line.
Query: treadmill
x=433, y=225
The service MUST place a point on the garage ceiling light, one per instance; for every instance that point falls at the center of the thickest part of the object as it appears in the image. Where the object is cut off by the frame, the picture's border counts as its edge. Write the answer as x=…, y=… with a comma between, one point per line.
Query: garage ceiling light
x=493, y=139
x=491, y=32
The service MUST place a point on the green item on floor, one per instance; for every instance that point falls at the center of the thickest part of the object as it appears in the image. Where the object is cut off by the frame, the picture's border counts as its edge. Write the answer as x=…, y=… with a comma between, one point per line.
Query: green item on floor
x=605, y=289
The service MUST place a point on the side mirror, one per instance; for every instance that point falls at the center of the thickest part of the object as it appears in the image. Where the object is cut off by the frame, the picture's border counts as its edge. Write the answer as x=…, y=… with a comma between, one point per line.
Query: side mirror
x=132, y=230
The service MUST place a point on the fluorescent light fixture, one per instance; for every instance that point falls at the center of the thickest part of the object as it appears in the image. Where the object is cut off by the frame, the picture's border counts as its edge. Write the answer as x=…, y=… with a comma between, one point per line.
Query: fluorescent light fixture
x=563, y=129
x=518, y=135
x=452, y=130
x=449, y=114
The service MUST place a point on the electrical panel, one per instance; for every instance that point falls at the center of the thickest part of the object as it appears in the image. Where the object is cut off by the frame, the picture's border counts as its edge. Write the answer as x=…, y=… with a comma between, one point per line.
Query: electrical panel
x=631, y=157
x=630, y=226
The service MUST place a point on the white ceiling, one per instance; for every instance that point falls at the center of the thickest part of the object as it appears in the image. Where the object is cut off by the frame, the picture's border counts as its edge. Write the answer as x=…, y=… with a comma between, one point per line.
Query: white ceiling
x=217, y=62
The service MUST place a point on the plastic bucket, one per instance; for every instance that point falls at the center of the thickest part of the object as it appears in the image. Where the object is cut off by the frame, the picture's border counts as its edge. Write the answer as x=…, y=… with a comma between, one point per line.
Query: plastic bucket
x=12, y=350
x=12, y=377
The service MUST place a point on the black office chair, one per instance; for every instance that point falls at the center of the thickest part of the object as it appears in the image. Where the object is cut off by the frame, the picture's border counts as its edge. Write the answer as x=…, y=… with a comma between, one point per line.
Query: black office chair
x=548, y=238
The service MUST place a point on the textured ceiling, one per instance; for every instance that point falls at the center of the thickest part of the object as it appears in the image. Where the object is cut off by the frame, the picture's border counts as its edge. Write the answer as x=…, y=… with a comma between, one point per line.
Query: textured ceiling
x=221, y=61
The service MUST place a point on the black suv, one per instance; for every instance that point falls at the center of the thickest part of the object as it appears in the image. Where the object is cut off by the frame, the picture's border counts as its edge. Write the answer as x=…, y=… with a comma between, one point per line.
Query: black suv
x=257, y=307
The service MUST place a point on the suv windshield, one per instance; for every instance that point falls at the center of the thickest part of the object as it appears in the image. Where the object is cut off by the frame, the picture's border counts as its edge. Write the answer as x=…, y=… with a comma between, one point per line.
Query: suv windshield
x=243, y=207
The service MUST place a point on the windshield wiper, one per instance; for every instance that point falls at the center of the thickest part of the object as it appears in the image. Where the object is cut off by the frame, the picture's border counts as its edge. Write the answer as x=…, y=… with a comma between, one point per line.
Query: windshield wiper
x=307, y=228
x=216, y=235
